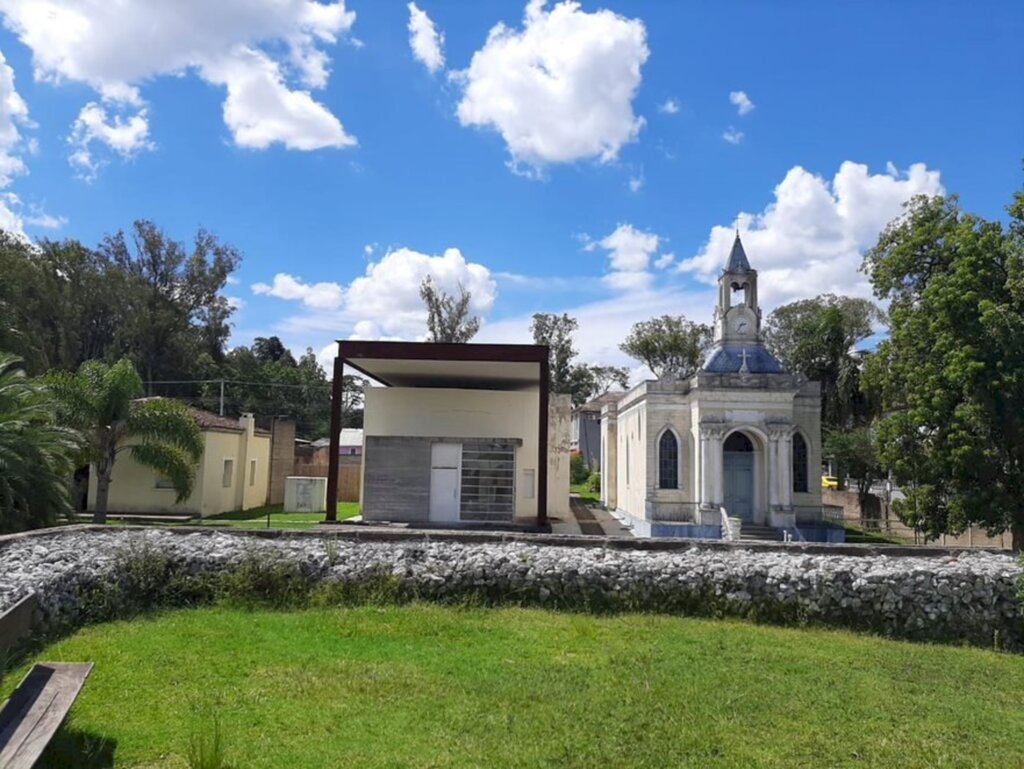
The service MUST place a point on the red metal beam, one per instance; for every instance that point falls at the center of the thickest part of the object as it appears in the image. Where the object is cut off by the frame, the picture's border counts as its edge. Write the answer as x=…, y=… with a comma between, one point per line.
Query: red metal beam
x=337, y=396
x=505, y=353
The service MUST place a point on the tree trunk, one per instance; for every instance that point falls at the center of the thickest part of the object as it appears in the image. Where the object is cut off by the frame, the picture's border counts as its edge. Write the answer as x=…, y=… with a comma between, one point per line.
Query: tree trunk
x=103, y=472
x=1017, y=536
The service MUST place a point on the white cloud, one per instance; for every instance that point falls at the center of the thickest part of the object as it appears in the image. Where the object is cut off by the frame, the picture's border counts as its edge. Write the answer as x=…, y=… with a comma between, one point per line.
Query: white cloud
x=636, y=183
x=811, y=238
x=733, y=136
x=669, y=107
x=426, y=42
x=385, y=303
x=742, y=102
x=125, y=136
x=261, y=110
x=235, y=302
x=13, y=117
x=322, y=296
x=253, y=48
x=629, y=257
x=560, y=89
x=43, y=220
x=664, y=261
x=604, y=324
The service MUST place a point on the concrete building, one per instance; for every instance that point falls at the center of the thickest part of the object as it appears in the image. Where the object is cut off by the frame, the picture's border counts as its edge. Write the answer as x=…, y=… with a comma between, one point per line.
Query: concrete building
x=585, y=430
x=735, y=448
x=459, y=433
x=233, y=473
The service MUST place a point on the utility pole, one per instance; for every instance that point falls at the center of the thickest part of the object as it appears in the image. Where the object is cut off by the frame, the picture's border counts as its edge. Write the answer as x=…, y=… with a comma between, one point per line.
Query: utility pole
x=222, y=397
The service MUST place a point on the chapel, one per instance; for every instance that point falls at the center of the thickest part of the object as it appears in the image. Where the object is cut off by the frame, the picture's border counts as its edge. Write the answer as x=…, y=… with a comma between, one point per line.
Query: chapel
x=737, y=445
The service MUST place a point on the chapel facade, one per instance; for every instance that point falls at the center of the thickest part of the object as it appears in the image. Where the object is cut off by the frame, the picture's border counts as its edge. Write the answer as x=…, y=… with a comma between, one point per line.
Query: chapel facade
x=741, y=438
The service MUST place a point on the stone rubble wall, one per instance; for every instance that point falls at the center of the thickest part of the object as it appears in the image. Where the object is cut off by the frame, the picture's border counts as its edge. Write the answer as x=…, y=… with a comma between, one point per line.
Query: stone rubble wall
x=968, y=597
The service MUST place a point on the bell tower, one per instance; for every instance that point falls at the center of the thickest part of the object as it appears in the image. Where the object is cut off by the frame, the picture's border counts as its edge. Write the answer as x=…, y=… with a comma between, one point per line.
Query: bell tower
x=739, y=322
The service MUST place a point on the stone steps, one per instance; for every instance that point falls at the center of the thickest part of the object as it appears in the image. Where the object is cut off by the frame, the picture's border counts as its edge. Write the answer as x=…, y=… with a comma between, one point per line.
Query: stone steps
x=760, y=533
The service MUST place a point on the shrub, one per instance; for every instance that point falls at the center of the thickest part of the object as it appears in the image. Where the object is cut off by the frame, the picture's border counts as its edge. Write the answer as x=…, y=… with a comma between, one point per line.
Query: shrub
x=206, y=749
x=594, y=483
x=578, y=471
x=264, y=579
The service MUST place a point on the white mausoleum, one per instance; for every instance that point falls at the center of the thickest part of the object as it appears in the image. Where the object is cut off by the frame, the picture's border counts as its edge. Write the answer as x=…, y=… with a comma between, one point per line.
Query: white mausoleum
x=742, y=437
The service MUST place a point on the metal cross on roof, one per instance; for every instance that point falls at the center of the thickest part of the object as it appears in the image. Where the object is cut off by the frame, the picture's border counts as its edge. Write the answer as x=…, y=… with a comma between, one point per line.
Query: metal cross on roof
x=744, y=369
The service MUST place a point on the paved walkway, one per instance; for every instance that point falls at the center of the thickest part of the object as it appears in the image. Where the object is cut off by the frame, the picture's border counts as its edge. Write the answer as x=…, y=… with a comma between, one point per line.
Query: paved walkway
x=590, y=521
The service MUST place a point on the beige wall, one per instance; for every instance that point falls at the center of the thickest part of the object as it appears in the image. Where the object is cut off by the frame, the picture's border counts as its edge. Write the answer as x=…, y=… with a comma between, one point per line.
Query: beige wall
x=560, y=416
x=133, y=487
x=456, y=413
x=665, y=413
x=632, y=459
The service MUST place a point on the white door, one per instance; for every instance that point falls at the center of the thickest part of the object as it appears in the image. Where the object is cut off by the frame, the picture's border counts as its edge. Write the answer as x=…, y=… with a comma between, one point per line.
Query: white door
x=445, y=473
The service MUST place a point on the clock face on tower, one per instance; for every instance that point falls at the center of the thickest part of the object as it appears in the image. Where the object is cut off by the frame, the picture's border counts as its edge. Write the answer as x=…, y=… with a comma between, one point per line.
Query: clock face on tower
x=742, y=326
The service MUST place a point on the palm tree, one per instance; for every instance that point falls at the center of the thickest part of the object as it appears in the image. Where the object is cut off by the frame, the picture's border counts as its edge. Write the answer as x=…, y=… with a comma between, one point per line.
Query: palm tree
x=37, y=455
x=103, y=402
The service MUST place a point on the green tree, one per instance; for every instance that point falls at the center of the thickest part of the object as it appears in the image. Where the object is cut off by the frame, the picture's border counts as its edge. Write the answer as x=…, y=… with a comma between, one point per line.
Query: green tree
x=102, y=402
x=855, y=457
x=448, y=318
x=601, y=379
x=951, y=374
x=255, y=382
x=60, y=302
x=580, y=381
x=37, y=455
x=175, y=316
x=669, y=345
x=272, y=350
x=817, y=338
x=556, y=331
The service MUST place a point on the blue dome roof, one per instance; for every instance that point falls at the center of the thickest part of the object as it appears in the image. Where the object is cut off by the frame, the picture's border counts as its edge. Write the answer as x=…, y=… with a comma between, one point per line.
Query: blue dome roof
x=728, y=359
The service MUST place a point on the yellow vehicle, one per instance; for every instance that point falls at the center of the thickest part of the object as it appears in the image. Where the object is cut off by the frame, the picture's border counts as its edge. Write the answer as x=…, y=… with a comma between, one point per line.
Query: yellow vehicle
x=829, y=482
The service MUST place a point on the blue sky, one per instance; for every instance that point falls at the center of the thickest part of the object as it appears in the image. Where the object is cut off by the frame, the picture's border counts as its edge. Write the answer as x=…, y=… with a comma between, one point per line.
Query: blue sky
x=589, y=158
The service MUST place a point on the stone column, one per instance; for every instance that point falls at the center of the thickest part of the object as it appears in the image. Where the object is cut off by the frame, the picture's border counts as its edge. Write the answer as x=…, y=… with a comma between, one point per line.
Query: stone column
x=786, y=470
x=773, y=468
x=780, y=479
x=610, y=456
x=711, y=483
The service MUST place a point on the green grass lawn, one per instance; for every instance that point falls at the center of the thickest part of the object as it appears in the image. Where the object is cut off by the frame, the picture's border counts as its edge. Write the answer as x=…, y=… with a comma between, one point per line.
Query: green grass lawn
x=586, y=495
x=427, y=686
x=256, y=518
x=855, y=535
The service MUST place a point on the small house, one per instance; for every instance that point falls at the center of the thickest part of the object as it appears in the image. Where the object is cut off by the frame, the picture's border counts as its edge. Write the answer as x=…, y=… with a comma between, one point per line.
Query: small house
x=233, y=473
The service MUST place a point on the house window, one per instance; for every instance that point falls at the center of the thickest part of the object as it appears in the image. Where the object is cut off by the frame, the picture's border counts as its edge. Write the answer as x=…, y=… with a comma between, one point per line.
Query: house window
x=229, y=471
x=799, y=463
x=668, y=461
x=164, y=483
x=488, y=477
x=252, y=472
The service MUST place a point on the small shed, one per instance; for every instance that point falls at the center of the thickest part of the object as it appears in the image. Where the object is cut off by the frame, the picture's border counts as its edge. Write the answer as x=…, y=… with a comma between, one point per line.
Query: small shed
x=457, y=434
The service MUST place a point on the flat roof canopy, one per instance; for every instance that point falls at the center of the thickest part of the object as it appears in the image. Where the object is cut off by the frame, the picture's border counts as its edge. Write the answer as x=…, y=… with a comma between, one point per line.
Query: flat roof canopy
x=428, y=364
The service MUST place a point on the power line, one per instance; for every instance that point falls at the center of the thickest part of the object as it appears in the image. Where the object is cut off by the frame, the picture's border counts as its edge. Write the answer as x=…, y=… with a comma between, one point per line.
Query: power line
x=287, y=385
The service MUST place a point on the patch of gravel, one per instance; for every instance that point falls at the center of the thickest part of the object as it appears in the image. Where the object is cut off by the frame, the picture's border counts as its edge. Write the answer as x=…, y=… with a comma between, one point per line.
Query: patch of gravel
x=966, y=597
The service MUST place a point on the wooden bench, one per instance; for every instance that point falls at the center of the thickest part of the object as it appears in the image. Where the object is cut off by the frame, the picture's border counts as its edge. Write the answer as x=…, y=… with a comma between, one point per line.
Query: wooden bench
x=36, y=709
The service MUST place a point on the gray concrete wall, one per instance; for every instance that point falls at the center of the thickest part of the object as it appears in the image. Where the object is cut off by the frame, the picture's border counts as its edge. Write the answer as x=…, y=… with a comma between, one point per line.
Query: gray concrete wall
x=396, y=478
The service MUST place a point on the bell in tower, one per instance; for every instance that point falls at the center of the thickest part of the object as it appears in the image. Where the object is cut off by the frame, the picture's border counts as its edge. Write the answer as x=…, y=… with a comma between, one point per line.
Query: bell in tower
x=738, y=347
x=737, y=316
